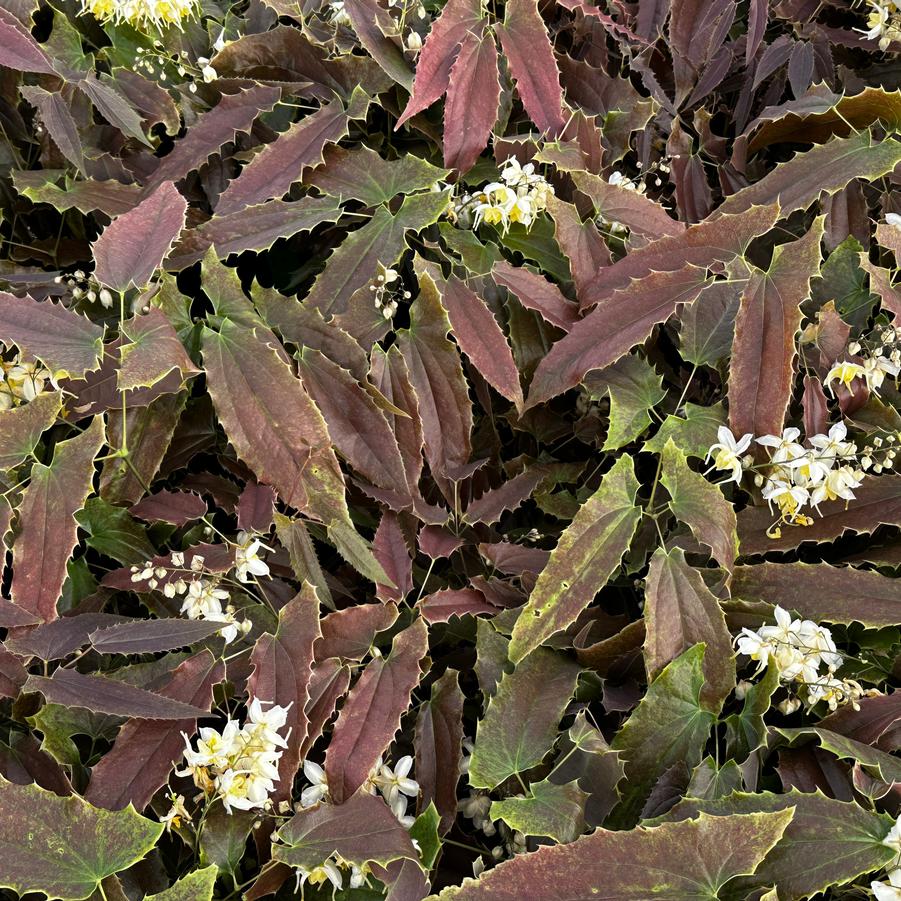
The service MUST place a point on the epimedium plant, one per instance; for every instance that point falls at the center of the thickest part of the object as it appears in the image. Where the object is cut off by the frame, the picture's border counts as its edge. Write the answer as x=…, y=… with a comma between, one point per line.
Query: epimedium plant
x=447, y=450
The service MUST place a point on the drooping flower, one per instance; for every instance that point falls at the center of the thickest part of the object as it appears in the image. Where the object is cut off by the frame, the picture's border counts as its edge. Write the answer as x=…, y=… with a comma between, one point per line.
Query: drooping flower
x=247, y=558
x=844, y=373
x=142, y=15
x=727, y=451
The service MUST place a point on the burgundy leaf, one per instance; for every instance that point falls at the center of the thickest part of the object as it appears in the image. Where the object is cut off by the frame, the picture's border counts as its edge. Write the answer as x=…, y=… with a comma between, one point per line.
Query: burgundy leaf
x=437, y=542
x=256, y=507
x=61, y=637
x=375, y=29
x=18, y=49
x=149, y=636
x=472, y=101
x=536, y=293
x=390, y=548
x=490, y=506
x=176, y=507
x=145, y=750
x=13, y=674
x=57, y=118
x=531, y=59
x=371, y=715
x=349, y=634
x=816, y=406
x=328, y=684
x=12, y=616
x=134, y=246
x=581, y=243
x=440, y=606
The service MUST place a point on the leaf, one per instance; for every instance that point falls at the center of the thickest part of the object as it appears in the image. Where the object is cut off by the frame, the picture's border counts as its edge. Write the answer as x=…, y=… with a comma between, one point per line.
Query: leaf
x=175, y=507
x=481, y=338
x=223, y=839
x=381, y=240
x=707, y=326
x=613, y=328
x=272, y=422
x=680, y=611
x=490, y=506
x=536, y=293
x=826, y=168
x=19, y=50
x=61, y=637
x=47, y=516
x=114, y=533
x=361, y=831
x=371, y=715
x=847, y=839
x=67, y=343
x=762, y=368
x=473, y=96
x=134, y=245
x=57, y=118
x=669, y=725
x=822, y=592
x=140, y=761
x=433, y=70
x=295, y=539
x=556, y=811
x=440, y=606
x=376, y=31
x=692, y=433
x=281, y=162
x=153, y=352
x=21, y=427
x=746, y=730
x=282, y=670
x=233, y=114
x=196, y=886
x=700, y=505
x=350, y=633
x=520, y=723
x=436, y=374
x=878, y=502
x=104, y=695
x=438, y=743
x=70, y=846
x=361, y=174
x=530, y=57
x=151, y=635
x=879, y=764
x=685, y=861
x=587, y=554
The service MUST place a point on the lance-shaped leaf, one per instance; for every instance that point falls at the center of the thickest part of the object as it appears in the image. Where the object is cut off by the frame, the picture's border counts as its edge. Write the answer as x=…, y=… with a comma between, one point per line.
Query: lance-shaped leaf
x=69, y=845
x=142, y=757
x=67, y=343
x=536, y=293
x=700, y=505
x=436, y=373
x=481, y=338
x=440, y=606
x=762, y=368
x=878, y=502
x=530, y=56
x=680, y=611
x=438, y=742
x=433, y=69
x=613, y=328
x=377, y=32
x=56, y=115
x=706, y=328
x=280, y=163
x=134, y=245
x=557, y=811
x=846, y=840
x=63, y=636
x=879, y=764
x=390, y=548
x=21, y=427
x=826, y=168
x=473, y=95
x=196, y=886
x=271, y=421
x=716, y=239
x=381, y=240
x=520, y=724
x=153, y=351
x=19, y=50
x=587, y=554
x=361, y=174
x=669, y=725
x=371, y=715
x=176, y=507
x=110, y=197
x=149, y=636
x=490, y=506
x=358, y=428
x=295, y=539
x=361, y=831
x=686, y=861
x=282, y=669
x=102, y=694
x=233, y=114
x=350, y=633
x=822, y=592
x=47, y=516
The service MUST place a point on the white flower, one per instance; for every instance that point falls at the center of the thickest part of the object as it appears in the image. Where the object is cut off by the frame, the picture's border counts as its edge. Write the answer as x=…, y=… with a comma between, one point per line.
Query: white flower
x=213, y=748
x=786, y=448
x=204, y=600
x=833, y=445
x=247, y=558
x=844, y=373
x=893, y=840
x=893, y=219
x=325, y=872
x=393, y=783
x=837, y=484
x=177, y=812
x=788, y=498
x=399, y=809
x=875, y=370
x=726, y=453
x=143, y=15
x=752, y=645
x=316, y=792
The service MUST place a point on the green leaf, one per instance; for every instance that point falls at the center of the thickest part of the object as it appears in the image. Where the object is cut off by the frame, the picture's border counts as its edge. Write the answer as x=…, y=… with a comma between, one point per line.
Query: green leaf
x=556, y=811
x=520, y=724
x=58, y=724
x=425, y=833
x=587, y=554
x=223, y=839
x=700, y=505
x=64, y=847
x=746, y=730
x=877, y=763
x=711, y=781
x=669, y=725
x=196, y=886
x=685, y=861
x=844, y=281
x=114, y=532
x=21, y=427
x=692, y=433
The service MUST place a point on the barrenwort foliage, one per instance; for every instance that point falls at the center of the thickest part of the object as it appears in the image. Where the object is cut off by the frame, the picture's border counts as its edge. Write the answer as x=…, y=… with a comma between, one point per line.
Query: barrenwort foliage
x=448, y=449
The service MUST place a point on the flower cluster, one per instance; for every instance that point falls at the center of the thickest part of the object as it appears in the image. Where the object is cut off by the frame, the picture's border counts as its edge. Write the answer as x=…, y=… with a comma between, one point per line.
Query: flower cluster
x=883, y=22
x=520, y=196
x=891, y=890
x=142, y=15
x=22, y=381
x=798, y=648
x=239, y=765
x=82, y=285
x=330, y=871
x=882, y=358
x=157, y=60
x=384, y=295
x=795, y=477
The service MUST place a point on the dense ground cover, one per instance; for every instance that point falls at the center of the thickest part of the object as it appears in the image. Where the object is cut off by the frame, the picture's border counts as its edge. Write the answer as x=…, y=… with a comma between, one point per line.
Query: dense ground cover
x=448, y=449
